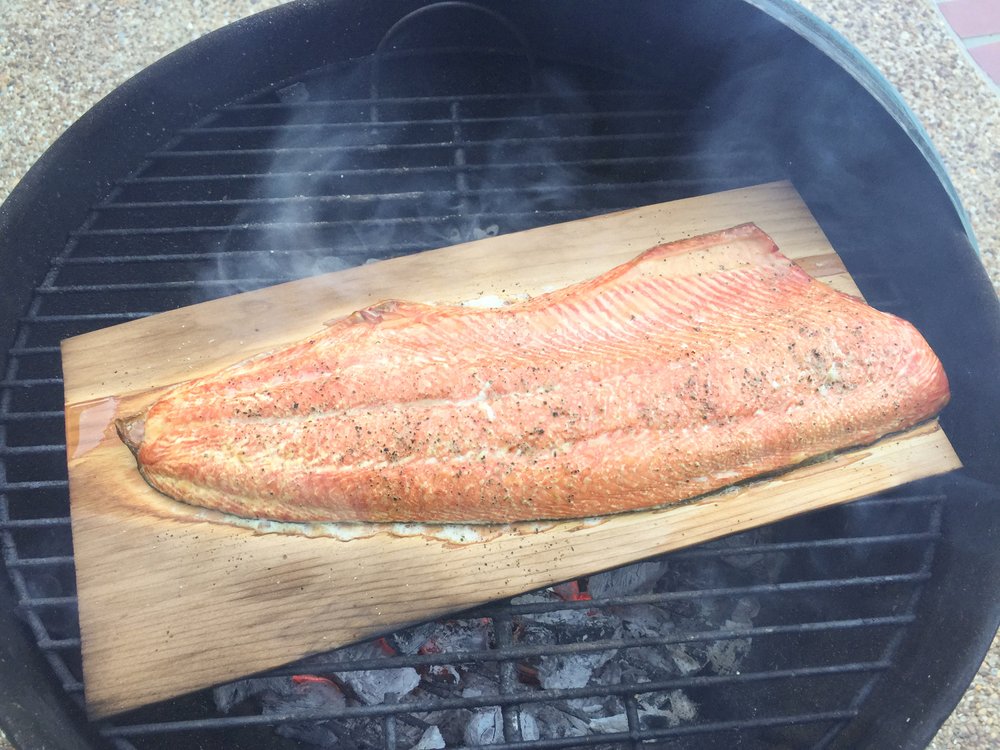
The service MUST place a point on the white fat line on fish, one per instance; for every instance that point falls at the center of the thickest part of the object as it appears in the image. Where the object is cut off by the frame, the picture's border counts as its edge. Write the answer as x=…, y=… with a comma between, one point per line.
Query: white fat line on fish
x=482, y=400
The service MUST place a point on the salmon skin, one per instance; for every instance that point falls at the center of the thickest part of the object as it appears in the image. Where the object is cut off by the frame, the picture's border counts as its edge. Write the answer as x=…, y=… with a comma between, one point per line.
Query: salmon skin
x=694, y=366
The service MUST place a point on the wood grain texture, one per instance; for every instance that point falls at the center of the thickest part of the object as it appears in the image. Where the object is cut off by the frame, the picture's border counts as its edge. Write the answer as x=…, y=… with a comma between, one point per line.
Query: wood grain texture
x=195, y=602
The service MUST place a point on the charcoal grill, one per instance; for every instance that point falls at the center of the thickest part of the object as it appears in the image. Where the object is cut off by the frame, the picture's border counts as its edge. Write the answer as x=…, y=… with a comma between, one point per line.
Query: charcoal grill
x=321, y=135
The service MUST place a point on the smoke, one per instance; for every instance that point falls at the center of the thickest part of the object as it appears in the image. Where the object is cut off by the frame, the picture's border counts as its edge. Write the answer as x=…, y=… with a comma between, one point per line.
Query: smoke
x=347, y=182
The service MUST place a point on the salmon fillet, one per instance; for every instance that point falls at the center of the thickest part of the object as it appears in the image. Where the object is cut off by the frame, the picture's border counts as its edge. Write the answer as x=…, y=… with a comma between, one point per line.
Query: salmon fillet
x=694, y=366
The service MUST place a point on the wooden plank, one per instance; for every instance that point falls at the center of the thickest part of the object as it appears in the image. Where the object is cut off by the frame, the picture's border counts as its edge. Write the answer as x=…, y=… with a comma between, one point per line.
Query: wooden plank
x=197, y=602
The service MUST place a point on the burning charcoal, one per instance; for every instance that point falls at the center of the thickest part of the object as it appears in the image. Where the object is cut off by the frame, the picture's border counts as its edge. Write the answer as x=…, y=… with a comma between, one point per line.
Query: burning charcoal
x=610, y=674
x=431, y=739
x=725, y=657
x=444, y=672
x=684, y=660
x=302, y=696
x=552, y=722
x=372, y=685
x=316, y=733
x=532, y=597
x=454, y=636
x=642, y=620
x=485, y=727
x=561, y=671
x=610, y=724
x=743, y=613
x=586, y=708
x=559, y=617
x=280, y=696
x=570, y=592
x=528, y=726
x=655, y=661
x=450, y=723
x=234, y=693
x=671, y=709
x=410, y=640
x=476, y=683
x=632, y=579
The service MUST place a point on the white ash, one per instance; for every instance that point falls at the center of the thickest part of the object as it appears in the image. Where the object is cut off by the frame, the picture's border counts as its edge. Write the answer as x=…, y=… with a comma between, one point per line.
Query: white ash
x=372, y=685
x=279, y=695
x=485, y=727
x=684, y=660
x=639, y=578
x=303, y=698
x=409, y=641
x=457, y=636
x=647, y=663
x=431, y=739
x=528, y=726
x=554, y=722
x=725, y=657
x=476, y=684
x=234, y=693
x=316, y=733
x=671, y=710
x=561, y=671
x=644, y=620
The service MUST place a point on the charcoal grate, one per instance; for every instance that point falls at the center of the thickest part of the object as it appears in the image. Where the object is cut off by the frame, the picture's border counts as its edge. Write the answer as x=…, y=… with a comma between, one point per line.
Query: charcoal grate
x=280, y=186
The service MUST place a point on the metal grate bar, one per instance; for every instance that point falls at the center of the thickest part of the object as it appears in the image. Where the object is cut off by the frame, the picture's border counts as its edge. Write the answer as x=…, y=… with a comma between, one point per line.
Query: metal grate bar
x=526, y=652
x=420, y=145
x=149, y=286
x=421, y=221
x=426, y=169
x=41, y=633
x=879, y=500
x=479, y=701
x=27, y=416
x=60, y=644
x=28, y=450
x=444, y=99
x=632, y=716
x=30, y=382
x=508, y=676
x=806, y=544
x=38, y=602
x=215, y=256
x=821, y=584
x=78, y=317
x=33, y=523
x=896, y=641
x=39, y=562
x=37, y=484
x=376, y=124
x=369, y=197
x=27, y=351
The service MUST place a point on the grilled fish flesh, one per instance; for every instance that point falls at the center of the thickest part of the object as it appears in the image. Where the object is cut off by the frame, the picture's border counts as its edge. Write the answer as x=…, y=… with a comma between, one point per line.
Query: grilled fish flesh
x=696, y=365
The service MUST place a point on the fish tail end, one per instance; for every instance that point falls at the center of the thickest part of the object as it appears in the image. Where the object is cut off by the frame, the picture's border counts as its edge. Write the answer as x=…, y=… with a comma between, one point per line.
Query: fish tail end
x=131, y=430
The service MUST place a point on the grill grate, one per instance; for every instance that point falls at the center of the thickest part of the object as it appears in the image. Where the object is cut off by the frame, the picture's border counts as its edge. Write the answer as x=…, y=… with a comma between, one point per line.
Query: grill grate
x=279, y=186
